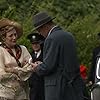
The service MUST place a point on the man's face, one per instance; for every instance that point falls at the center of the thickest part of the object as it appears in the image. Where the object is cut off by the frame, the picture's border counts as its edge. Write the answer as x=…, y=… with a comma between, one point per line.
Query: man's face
x=40, y=30
x=43, y=31
x=36, y=46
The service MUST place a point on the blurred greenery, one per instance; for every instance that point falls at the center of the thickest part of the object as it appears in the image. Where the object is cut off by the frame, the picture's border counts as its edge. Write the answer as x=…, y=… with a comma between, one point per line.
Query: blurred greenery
x=80, y=17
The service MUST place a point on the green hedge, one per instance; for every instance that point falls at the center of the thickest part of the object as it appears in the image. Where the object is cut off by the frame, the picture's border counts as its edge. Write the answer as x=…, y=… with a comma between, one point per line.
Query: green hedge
x=80, y=17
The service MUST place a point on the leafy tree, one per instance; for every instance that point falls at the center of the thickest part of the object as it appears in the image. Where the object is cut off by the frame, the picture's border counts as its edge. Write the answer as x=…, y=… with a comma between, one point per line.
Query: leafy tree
x=80, y=17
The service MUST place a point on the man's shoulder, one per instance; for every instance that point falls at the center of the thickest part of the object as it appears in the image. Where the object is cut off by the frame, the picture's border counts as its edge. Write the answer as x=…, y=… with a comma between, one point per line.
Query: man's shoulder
x=96, y=49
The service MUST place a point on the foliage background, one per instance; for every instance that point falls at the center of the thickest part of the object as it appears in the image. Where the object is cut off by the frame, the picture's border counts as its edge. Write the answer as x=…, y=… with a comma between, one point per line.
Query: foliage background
x=80, y=17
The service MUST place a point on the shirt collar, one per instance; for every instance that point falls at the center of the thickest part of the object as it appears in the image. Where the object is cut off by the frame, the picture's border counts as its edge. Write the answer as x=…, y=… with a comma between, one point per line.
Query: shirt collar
x=52, y=29
x=38, y=53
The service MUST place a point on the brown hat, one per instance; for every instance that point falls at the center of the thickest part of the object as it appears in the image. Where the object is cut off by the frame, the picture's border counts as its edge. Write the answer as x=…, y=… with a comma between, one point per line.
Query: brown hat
x=40, y=19
x=6, y=22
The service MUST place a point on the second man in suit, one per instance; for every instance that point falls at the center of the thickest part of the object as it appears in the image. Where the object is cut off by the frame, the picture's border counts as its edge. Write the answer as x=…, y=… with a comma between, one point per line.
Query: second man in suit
x=36, y=82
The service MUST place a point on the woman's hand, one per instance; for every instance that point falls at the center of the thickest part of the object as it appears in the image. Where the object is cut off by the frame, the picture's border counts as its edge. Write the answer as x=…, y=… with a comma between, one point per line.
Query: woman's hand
x=10, y=69
x=24, y=63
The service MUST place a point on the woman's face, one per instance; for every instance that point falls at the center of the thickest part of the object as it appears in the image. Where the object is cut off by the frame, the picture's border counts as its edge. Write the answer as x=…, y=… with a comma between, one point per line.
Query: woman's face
x=11, y=38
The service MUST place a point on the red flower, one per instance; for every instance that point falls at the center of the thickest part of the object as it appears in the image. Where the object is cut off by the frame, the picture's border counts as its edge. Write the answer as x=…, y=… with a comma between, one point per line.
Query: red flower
x=83, y=71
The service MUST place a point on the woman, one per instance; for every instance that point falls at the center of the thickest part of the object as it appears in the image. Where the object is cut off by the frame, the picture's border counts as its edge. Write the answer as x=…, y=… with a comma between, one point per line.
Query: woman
x=14, y=69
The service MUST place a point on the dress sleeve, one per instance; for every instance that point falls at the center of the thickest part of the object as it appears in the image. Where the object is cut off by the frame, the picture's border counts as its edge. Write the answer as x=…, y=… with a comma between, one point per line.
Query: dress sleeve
x=2, y=66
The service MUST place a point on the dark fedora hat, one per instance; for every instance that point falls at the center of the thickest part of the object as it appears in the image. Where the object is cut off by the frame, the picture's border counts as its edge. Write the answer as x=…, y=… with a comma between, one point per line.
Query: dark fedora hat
x=35, y=38
x=40, y=19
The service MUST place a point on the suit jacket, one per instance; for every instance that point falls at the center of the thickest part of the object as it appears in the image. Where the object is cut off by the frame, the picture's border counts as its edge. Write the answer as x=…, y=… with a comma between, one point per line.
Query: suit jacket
x=60, y=65
x=36, y=82
x=34, y=77
x=91, y=76
x=95, y=89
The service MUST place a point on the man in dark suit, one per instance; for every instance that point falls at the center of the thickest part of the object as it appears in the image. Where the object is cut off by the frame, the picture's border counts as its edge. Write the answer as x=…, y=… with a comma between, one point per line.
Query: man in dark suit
x=36, y=82
x=94, y=78
x=96, y=51
x=60, y=66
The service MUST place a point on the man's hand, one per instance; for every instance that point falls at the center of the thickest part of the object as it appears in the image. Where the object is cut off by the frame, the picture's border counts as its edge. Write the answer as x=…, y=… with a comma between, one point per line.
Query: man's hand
x=38, y=62
x=34, y=65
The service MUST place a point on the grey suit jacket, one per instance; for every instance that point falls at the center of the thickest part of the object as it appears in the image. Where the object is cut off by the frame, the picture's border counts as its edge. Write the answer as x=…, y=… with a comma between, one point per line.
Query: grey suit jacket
x=60, y=65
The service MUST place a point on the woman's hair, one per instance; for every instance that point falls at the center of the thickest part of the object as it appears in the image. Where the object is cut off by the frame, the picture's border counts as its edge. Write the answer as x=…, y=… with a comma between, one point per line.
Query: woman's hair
x=2, y=36
x=6, y=25
x=3, y=32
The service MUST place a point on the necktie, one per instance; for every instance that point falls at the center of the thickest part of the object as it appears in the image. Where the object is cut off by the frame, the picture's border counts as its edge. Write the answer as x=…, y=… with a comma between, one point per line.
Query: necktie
x=36, y=54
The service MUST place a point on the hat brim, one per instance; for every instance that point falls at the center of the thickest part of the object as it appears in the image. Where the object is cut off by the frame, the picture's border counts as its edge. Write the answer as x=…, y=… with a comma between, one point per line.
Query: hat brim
x=38, y=38
x=39, y=42
x=6, y=22
x=42, y=24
